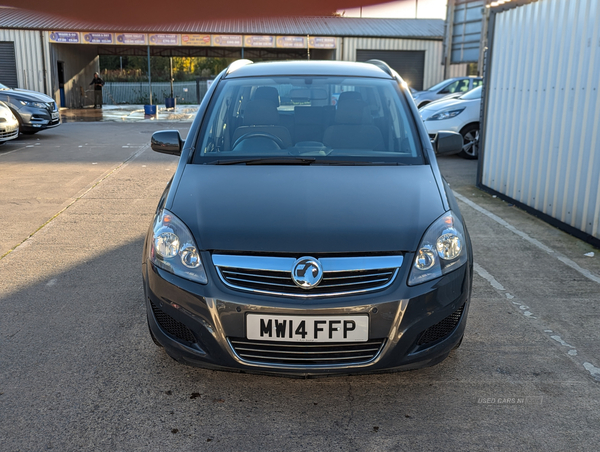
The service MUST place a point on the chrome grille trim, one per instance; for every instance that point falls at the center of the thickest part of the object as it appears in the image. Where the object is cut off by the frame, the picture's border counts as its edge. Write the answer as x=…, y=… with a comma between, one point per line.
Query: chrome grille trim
x=272, y=275
x=305, y=354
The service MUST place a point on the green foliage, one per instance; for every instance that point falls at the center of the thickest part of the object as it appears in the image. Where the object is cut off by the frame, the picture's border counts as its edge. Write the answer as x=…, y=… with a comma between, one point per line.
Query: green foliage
x=135, y=68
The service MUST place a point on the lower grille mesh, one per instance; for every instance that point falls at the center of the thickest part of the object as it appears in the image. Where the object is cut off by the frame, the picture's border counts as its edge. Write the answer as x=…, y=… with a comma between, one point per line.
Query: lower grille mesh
x=172, y=326
x=306, y=354
x=441, y=329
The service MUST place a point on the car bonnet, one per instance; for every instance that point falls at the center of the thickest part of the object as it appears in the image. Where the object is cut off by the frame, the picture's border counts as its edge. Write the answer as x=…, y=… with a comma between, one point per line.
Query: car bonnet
x=307, y=209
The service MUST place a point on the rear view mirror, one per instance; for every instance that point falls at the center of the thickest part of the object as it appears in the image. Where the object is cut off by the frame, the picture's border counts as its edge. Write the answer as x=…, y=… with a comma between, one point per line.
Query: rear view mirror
x=167, y=142
x=304, y=94
x=448, y=143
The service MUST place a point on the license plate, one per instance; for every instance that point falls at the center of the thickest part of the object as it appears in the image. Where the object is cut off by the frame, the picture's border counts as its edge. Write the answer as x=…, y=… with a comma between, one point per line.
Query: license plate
x=55, y=115
x=284, y=328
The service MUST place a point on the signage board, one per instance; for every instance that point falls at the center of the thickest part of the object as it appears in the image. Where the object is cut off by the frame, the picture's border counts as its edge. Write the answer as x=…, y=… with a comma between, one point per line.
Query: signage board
x=291, y=42
x=64, y=37
x=227, y=40
x=259, y=41
x=163, y=39
x=195, y=40
x=98, y=38
x=316, y=42
x=131, y=38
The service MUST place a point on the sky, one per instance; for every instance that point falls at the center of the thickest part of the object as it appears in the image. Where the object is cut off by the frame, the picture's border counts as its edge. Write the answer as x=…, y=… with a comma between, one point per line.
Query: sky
x=405, y=9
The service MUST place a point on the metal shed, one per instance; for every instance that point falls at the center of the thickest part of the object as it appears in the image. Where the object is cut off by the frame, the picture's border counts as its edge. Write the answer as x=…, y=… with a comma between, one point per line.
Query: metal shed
x=59, y=56
x=541, y=114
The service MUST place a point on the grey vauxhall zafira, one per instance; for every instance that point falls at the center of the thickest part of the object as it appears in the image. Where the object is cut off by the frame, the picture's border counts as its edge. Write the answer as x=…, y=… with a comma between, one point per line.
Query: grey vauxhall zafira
x=307, y=229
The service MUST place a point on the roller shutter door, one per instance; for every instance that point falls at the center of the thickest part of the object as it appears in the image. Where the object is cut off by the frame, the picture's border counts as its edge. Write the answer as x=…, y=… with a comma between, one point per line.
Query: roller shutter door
x=408, y=63
x=8, y=65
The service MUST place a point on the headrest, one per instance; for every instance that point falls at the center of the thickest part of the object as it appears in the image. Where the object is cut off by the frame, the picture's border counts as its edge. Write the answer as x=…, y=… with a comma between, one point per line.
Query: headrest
x=350, y=108
x=261, y=112
x=267, y=93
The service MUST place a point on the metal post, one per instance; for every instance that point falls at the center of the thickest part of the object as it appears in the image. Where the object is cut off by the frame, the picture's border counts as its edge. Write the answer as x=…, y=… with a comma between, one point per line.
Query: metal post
x=149, y=75
x=121, y=63
x=171, y=69
x=308, y=46
x=42, y=46
x=416, y=9
x=449, y=32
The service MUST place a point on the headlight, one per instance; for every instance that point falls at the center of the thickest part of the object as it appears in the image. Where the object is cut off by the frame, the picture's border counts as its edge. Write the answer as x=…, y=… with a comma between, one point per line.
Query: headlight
x=32, y=104
x=442, y=250
x=173, y=248
x=446, y=114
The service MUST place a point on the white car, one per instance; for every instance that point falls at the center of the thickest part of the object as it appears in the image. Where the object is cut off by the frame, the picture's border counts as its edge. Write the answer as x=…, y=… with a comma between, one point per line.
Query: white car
x=9, y=125
x=456, y=115
x=457, y=85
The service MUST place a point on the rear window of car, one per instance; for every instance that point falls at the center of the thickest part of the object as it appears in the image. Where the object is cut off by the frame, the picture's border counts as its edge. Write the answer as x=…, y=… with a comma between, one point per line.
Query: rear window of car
x=336, y=118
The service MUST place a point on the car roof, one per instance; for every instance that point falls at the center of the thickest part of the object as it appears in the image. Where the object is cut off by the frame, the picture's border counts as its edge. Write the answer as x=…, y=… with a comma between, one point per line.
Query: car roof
x=332, y=68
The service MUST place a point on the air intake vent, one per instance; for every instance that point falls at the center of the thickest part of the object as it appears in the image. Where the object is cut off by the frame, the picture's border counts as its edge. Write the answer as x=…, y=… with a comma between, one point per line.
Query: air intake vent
x=442, y=329
x=306, y=354
x=172, y=326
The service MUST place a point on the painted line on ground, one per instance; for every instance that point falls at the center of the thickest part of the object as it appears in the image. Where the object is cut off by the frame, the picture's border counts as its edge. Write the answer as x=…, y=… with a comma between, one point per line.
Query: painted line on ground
x=561, y=257
x=29, y=145
x=568, y=349
x=77, y=198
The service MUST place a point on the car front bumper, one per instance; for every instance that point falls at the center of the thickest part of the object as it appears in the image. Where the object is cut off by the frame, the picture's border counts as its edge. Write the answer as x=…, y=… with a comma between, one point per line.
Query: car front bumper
x=33, y=118
x=410, y=327
x=9, y=130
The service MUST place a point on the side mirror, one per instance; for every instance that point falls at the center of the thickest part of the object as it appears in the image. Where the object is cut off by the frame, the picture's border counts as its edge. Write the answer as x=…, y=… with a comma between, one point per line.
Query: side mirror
x=448, y=143
x=167, y=142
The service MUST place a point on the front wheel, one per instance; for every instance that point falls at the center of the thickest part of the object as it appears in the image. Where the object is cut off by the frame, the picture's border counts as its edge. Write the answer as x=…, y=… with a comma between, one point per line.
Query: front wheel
x=470, y=136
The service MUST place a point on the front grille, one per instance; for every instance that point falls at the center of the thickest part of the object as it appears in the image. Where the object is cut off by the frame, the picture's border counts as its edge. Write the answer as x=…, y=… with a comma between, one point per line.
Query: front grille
x=10, y=134
x=306, y=354
x=172, y=326
x=442, y=329
x=341, y=276
x=277, y=281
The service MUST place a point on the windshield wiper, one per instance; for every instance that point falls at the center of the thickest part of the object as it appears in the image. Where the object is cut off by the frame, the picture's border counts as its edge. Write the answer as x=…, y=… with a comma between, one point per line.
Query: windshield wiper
x=356, y=163
x=265, y=161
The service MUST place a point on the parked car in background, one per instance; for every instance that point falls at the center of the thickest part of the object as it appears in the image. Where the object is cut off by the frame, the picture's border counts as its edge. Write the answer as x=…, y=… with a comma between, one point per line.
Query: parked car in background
x=455, y=85
x=9, y=126
x=457, y=115
x=302, y=238
x=34, y=111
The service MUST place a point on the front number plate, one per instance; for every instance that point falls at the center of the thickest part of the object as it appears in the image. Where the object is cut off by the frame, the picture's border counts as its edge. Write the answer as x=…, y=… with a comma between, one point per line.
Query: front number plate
x=354, y=328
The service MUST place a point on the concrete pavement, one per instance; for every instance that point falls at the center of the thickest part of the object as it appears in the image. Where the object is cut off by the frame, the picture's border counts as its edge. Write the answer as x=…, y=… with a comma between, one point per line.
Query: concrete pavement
x=78, y=370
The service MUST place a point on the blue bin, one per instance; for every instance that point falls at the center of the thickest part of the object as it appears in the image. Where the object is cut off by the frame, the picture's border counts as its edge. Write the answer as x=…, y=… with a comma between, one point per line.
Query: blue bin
x=150, y=110
x=169, y=102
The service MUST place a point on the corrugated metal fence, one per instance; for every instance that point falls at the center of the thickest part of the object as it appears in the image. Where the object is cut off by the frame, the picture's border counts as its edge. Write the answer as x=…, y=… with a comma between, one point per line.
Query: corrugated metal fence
x=542, y=143
x=138, y=93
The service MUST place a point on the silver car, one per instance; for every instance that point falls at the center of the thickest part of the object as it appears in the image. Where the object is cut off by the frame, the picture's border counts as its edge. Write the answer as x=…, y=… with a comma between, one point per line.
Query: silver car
x=457, y=85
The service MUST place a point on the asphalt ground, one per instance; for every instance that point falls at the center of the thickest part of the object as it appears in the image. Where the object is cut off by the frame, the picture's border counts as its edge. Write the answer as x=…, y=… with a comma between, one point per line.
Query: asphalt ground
x=79, y=372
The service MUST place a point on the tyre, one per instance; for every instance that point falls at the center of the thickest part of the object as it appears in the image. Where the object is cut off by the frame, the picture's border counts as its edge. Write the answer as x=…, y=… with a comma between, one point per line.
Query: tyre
x=422, y=104
x=29, y=132
x=470, y=136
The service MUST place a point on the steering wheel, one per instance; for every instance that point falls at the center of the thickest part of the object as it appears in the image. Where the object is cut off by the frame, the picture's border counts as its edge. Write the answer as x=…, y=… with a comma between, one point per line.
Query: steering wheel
x=278, y=141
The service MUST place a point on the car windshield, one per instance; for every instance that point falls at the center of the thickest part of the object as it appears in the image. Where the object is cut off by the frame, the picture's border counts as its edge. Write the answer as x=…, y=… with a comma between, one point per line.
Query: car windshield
x=314, y=119
x=473, y=94
x=440, y=85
